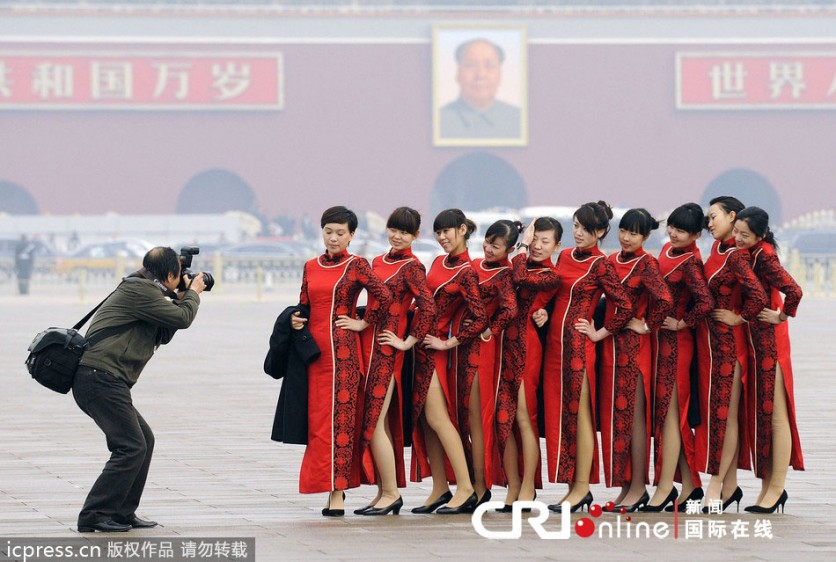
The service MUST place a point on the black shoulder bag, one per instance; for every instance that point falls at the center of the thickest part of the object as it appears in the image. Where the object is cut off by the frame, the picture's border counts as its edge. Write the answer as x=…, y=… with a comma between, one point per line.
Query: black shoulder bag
x=54, y=353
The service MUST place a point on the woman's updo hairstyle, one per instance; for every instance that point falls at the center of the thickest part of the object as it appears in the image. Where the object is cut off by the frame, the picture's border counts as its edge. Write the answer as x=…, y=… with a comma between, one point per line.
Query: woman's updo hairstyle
x=544, y=224
x=728, y=203
x=758, y=221
x=406, y=219
x=509, y=231
x=688, y=217
x=454, y=218
x=339, y=215
x=639, y=221
x=594, y=217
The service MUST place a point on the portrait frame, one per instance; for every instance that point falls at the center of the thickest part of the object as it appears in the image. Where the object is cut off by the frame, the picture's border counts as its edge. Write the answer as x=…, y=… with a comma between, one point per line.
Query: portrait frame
x=511, y=94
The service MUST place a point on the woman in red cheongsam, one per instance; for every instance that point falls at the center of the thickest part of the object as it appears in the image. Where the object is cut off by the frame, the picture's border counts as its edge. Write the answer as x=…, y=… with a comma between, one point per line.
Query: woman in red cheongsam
x=770, y=406
x=721, y=340
x=568, y=376
x=381, y=437
x=331, y=284
x=477, y=382
x=626, y=363
x=436, y=440
x=536, y=280
x=680, y=263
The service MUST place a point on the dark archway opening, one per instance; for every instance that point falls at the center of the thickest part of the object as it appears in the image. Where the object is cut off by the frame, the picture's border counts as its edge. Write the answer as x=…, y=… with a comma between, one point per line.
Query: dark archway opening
x=216, y=191
x=16, y=200
x=478, y=181
x=751, y=188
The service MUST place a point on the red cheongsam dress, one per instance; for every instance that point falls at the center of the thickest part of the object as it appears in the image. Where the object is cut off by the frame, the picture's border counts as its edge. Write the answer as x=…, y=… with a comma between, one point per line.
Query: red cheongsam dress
x=626, y=356
x=570, y=354
x=406, y=279
x=497, y=292
x=455, y=288
x=330, y=287
x=734, y=287
x=536, y=283
x=673, y=351
x=769, y=345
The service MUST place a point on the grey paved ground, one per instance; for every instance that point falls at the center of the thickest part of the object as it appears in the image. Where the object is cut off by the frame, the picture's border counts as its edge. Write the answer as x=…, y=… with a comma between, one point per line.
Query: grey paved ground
x=216, y=473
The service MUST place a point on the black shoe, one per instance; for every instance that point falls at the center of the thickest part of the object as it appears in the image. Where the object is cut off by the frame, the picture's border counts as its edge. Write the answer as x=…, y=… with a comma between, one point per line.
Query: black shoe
x=444, y=498
x=394, y=507
x=585, y=501
x=467, y=507
x=633, y=506
x=328, y=512
x=362, y=510
x=696, y=494
x=486, y=497
x=736, y=496
x=657, y=508
x=108, y=526
x=505, y=509
x=136, y=523
x=528, y=509
x=758, y=509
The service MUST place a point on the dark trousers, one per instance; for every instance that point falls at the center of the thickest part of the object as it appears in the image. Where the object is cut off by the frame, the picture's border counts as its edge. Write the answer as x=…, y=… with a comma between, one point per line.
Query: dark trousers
x=116, y=493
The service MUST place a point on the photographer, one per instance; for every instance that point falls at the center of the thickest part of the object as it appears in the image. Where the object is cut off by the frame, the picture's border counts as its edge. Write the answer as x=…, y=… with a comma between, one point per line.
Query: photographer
x=139, y=318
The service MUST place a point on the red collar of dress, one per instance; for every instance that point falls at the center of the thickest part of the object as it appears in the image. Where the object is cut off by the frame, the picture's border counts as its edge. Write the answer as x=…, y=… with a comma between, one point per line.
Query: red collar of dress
x=328, y=259
x=400, y=255
x=626, y=257
x=581, y=255
x=495, y=264
x=674, y=252
x=457, y=260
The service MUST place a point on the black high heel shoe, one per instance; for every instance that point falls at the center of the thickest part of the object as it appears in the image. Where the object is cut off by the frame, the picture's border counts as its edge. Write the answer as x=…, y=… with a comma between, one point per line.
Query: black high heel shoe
x=696, y=494
x=442, y=499
x=467, y=507
x=780, y=503
x=328, y=512
x=486, y=497
x=394, y=507
x=633, y=506
x=670, y=499
x=735, y=497
x=364, y=509
x=585, y=501
x=508, y=508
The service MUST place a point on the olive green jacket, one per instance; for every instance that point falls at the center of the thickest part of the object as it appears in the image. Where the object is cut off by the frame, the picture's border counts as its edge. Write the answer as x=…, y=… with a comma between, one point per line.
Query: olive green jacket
x=155, y=318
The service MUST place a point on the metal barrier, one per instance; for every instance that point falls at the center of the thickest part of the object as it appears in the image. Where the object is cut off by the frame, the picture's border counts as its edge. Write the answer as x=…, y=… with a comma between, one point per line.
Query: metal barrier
x=816, y=273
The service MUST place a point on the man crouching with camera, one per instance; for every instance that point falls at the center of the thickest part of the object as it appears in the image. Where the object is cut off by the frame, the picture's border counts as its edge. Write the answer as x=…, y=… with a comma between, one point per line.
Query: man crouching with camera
x=143, y=313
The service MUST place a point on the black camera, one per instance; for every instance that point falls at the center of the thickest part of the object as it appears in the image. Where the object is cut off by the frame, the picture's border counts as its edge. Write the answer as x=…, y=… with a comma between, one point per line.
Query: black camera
x=186, y=254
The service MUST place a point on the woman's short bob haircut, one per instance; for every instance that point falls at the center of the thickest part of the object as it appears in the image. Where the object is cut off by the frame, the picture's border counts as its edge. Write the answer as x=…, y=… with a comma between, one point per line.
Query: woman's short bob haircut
x=453, y=218
x=639, y=221
x=688, y=217
x=595, y=216
x=406, y=219
x=339, y=215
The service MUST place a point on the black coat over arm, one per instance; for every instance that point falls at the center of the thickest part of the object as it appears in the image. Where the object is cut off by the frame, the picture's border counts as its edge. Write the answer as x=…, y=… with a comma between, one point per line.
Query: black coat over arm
x=291, y=351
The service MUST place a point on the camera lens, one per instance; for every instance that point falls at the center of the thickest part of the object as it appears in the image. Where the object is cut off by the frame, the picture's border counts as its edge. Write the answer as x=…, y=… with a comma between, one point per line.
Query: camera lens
x=209, y=281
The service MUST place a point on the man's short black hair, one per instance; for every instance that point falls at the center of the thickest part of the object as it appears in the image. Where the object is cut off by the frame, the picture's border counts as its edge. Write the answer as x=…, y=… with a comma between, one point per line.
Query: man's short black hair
x=162, y=262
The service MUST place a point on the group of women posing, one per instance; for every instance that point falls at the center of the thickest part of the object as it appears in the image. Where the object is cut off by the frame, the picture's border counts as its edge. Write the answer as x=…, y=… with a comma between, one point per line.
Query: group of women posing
x=486, y=333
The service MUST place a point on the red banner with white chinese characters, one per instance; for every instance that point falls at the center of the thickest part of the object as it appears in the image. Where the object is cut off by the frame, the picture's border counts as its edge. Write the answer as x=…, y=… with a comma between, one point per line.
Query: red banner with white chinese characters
x=759, y=80
x=127, y=80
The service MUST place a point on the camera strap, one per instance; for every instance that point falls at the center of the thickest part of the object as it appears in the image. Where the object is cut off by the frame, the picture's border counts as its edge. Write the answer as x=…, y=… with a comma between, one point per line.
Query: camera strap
x=150, y=276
